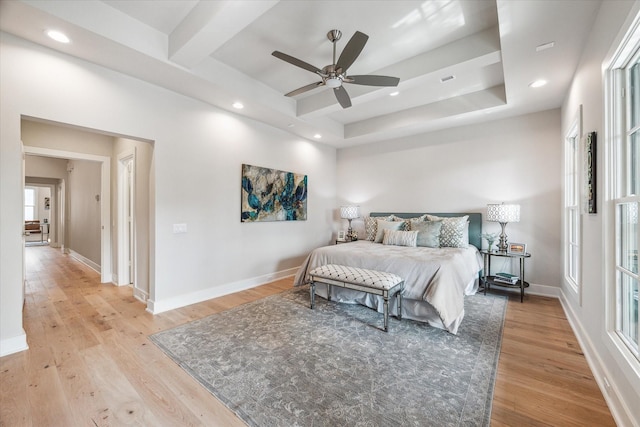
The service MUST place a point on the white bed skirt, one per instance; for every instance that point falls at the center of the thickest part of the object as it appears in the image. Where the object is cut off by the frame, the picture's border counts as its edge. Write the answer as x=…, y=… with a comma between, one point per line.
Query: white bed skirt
x=420, y=311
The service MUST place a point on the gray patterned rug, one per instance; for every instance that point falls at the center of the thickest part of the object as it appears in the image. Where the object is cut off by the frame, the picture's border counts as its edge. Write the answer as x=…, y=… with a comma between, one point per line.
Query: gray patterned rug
x=275, y=362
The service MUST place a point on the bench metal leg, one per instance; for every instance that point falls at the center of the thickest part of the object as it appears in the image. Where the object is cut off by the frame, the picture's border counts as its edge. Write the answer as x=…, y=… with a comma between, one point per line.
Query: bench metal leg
x=386, y=314
x=399, y=296
x=312, y=291
x=328, y=292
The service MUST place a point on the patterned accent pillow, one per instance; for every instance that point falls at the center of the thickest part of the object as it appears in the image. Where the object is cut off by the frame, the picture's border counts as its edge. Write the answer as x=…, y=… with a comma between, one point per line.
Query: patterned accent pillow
x=387, y=225
x=371, y=225
x=399, y=238
x=452, y=233
x=428, y=233
x=408, y=221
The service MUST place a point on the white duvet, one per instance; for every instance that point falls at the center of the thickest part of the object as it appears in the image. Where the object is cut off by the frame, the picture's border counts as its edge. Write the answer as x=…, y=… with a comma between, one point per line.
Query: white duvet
x=438, y=276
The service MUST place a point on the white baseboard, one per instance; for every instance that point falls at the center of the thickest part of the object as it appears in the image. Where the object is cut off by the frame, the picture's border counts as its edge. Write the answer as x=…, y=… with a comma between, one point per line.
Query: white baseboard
x=140, y=295
x=156, y=307
x=85, y=261
x=543, y=290
x=620, y=412
x=13, y=345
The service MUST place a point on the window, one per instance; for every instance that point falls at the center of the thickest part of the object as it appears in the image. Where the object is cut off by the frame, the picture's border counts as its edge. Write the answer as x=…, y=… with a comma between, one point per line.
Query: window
x=624, y=175
x=572, y=206
x=29, y=204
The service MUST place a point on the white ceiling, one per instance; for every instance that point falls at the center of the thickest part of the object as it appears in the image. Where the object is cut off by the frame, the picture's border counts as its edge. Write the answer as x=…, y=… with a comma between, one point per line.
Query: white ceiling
x=220, y=52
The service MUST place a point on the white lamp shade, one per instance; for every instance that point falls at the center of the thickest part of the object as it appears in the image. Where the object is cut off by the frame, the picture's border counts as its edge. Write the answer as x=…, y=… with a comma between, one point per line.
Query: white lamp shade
x=503, y=213
x=349, y=212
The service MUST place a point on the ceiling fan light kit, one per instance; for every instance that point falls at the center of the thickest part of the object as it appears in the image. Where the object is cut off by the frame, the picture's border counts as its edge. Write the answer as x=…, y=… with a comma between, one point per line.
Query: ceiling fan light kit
x=335, y=74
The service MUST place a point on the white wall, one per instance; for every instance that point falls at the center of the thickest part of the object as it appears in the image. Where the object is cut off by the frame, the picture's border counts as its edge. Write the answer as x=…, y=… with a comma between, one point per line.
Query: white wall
x=589, y=316
x=196, y=167
x=83, y=220
x=514, y=160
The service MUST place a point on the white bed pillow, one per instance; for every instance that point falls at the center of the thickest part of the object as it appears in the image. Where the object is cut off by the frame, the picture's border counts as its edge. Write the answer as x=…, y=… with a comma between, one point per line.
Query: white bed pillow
x=454, y=232
x=371, y=225
x=399, y=238
x=428, y=233
x=386, y=225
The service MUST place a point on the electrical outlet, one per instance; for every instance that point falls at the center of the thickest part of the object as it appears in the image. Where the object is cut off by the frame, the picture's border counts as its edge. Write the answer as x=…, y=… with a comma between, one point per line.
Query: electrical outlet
x=179, y=228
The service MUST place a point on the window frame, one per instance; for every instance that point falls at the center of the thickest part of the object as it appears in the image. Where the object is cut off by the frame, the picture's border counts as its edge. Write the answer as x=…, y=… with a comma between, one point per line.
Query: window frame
x=617, y=115
x=33, y=206
x=571, y=206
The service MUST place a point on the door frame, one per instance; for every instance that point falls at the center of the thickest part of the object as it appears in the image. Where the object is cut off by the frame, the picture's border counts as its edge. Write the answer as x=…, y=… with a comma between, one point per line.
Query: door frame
x=126, y=198
x=106, y=268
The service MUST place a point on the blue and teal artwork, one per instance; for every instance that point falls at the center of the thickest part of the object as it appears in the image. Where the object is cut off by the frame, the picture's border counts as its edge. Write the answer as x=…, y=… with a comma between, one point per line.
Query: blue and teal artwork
x=272, y=195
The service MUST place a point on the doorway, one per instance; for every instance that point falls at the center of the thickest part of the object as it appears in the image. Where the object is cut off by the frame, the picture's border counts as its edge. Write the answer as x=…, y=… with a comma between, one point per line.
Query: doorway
x=106, y=270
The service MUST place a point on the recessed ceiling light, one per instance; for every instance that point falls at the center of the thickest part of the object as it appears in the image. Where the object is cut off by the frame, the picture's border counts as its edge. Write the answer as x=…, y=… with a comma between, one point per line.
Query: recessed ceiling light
x=545, y=46
x=238, y=105
x=396, y=93
x=447, y=78
x=317, y=136
x=58, y=36
x=538, y=83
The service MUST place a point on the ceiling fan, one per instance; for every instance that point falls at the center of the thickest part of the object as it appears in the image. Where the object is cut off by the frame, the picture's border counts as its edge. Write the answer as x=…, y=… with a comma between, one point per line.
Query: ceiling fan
x=335, y=75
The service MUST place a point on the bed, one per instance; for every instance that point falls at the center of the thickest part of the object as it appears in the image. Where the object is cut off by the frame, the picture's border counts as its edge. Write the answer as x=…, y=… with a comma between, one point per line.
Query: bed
x=436, y=278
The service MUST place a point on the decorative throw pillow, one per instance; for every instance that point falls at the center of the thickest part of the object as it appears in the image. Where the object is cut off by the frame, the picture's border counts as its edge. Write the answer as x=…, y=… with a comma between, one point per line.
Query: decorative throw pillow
x=399, y=238
x=371, y=225
x=452, y=233
x=408, y=221
x=428, y=233
x=387, y=225
x=370, y=228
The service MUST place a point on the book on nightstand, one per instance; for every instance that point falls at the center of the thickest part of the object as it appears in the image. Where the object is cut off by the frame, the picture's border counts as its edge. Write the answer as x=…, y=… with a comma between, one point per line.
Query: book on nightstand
x=511, y=279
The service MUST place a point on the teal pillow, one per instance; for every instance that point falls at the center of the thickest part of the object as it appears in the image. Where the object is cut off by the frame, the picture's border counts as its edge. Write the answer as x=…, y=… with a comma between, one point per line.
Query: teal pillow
x=387, y=225
x=428, y=233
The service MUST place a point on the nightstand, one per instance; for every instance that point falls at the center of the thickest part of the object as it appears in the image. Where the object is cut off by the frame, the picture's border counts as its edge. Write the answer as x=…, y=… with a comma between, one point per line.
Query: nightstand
x=344, y=241
x=489, y=280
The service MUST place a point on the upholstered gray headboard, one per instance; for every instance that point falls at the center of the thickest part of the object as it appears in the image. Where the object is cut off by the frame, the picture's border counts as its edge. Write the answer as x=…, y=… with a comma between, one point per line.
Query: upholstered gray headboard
x=475, y=222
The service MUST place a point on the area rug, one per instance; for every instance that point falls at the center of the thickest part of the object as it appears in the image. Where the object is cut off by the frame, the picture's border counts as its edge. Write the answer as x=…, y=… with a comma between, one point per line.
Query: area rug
x=276, y=362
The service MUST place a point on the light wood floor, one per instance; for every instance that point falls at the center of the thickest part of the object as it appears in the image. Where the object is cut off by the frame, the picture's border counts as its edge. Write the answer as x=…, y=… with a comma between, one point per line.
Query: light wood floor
x=90, y=362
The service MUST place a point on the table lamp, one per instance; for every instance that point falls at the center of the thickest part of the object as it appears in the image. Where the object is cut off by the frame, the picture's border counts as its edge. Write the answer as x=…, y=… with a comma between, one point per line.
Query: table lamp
x=349, y=213
x=503, y=214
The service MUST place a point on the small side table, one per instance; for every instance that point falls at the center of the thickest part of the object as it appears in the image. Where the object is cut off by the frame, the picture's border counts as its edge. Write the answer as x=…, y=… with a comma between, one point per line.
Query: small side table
x=489, y=280
x=344, y=241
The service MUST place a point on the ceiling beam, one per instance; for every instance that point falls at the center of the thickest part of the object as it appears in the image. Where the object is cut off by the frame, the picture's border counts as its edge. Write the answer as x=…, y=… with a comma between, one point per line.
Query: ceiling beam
x=209, y=25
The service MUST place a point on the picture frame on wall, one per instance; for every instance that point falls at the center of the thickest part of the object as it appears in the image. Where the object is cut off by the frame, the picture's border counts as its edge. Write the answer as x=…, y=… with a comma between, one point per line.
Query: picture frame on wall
x=590, y=168
x=516, y=248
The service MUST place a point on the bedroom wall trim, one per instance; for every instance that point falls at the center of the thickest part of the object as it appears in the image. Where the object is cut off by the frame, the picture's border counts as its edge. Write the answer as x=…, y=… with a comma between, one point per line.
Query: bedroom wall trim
x=13, y=345
x=619, y=410
x=543, y=290
x=157, y=307
x=86, y=261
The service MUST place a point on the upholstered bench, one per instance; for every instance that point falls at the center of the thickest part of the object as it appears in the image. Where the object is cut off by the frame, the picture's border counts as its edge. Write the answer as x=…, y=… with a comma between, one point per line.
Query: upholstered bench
x=359, y=279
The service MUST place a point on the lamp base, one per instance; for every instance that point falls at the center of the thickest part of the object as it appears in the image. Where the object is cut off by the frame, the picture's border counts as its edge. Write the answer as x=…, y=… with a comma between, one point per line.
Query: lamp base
x=351, y=234
x=502, y=244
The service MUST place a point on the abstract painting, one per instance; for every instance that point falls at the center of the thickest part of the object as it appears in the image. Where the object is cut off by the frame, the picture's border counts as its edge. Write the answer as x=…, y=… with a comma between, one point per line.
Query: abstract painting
x=272, y=195
x=590, y=169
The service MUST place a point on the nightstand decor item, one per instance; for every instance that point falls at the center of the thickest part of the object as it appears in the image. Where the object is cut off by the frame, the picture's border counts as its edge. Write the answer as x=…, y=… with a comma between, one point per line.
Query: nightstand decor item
x=503, y=214
x=349, y=213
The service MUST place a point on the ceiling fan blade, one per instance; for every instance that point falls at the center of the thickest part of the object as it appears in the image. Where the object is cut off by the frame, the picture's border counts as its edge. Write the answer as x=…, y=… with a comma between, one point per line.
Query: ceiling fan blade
x=369, y=80
x=352, y=50
x=304, y=89
x=295, y=61
x=342, y=96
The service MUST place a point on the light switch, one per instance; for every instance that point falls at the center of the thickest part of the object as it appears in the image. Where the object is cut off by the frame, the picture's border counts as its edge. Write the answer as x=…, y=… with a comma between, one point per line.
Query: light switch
x=179, y=228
